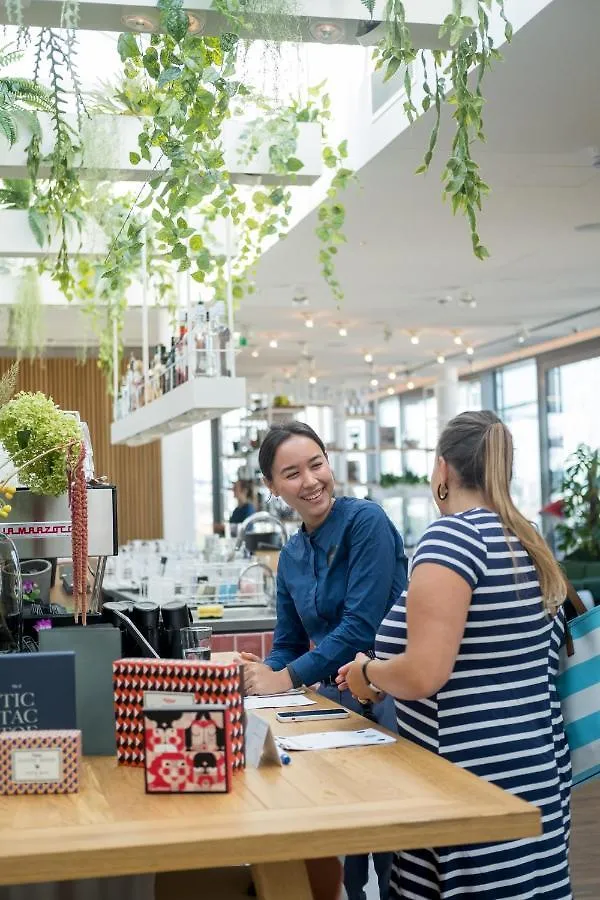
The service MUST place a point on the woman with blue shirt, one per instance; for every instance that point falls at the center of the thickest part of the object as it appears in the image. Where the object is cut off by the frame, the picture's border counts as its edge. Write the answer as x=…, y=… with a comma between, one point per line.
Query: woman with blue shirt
x=337, y=578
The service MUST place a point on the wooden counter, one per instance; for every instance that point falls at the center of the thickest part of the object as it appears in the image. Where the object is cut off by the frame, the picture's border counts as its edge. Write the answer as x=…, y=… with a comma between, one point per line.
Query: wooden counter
x=325, y=803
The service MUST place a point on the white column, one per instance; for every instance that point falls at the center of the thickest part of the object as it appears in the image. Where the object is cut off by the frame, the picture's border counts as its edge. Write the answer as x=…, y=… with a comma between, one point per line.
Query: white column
x=177, y=468
x=447, y=396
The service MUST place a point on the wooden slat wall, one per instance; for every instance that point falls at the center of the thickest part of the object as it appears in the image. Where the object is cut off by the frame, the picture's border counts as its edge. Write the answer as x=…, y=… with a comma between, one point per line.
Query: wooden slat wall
x=135, y=470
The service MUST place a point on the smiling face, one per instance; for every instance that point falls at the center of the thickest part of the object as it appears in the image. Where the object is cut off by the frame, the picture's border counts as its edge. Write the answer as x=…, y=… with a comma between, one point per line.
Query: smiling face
x=303, y=478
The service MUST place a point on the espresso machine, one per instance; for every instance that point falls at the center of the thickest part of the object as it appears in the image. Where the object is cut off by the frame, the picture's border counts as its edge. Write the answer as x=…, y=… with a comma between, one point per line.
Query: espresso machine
x=39, y=531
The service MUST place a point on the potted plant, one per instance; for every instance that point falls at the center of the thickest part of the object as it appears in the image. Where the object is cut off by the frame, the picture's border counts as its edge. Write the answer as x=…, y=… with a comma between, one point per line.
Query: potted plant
x=578, y=533
x=45, y=453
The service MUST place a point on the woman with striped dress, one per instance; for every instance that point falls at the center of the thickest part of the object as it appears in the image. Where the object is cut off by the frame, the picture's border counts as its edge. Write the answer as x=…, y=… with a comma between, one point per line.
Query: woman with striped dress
x=470, y=654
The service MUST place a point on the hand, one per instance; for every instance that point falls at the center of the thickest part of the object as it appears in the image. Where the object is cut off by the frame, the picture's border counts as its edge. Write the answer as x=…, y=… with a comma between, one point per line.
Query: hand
x=351, y=675
x=248, y=657
x=261, y=679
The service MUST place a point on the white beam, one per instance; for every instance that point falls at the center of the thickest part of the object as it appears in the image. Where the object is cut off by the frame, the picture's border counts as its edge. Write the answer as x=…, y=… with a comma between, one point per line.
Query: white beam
x=348, y=17
x=17, y=240
x=117, y=136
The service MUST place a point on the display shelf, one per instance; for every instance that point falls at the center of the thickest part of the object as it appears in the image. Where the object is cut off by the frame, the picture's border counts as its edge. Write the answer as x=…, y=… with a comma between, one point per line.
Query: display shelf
x=195, y=401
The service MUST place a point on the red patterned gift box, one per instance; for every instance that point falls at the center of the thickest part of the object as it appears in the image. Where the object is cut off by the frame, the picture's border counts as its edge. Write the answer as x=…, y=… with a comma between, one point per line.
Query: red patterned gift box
x=39, y=762
x=208, y=682
x=188, y=749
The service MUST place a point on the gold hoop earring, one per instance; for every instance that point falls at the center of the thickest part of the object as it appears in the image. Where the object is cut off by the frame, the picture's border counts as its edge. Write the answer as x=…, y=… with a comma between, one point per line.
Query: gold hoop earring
x=442, y=496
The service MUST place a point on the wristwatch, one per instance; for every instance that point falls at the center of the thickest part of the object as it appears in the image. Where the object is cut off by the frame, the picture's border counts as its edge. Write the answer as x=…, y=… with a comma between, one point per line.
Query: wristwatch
x=370, y=685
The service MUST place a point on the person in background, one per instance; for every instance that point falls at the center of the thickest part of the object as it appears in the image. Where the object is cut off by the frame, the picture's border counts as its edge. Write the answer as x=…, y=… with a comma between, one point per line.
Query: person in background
x=471, y=655
x=337, y=578
x=243, y=491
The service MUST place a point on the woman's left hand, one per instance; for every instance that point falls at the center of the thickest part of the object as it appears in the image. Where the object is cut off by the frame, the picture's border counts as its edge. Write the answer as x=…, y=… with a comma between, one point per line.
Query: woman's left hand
x=261, y=679
x=351, y=676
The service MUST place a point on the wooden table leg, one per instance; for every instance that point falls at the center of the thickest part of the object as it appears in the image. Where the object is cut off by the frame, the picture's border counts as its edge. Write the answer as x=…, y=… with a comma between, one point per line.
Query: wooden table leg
x=282, y=879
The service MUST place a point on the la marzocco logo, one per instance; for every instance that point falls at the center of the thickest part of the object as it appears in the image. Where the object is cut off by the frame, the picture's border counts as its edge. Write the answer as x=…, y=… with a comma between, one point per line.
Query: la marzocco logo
x=35, y=529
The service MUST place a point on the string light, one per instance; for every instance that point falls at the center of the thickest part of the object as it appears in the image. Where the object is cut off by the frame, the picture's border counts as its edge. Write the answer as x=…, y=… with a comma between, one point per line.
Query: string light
x=458, y=340
x=391, y=391
x=414, y=339
x=309, y=322
x=392, y=376
x=374, y=382
x=410, y=385
x=312, y=379
x=343, y=332
x=470, y=351
x=273, y=344
x=255, y=354
x=441, y=359
x=368, y=357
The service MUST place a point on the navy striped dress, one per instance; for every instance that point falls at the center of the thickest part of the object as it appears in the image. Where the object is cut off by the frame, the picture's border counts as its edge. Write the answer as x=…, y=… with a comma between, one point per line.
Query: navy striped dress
x=498, y=716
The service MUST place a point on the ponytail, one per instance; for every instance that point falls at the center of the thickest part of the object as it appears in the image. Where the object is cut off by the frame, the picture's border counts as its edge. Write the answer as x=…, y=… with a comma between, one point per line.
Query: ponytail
x=497, y=466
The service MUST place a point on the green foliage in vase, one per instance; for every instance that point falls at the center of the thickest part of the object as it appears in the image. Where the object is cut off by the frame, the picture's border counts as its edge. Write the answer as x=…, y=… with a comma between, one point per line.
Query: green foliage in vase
x=26, y=328
x=20, y=99
x=41, y=440
x=579, y=535
x=388, y=479
x=471, y=51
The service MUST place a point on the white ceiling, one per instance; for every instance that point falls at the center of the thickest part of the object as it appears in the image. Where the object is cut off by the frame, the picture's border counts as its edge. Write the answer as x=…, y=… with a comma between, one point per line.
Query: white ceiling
x=405, y=251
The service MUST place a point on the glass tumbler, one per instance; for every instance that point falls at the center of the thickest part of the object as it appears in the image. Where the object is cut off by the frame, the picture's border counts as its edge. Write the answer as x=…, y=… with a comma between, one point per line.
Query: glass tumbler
x=195, y=642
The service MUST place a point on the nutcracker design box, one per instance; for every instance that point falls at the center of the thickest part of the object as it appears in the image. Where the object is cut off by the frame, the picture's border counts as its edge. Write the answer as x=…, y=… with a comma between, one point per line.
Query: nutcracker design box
x=188, y=749
x=206, y=683
x=39, y=762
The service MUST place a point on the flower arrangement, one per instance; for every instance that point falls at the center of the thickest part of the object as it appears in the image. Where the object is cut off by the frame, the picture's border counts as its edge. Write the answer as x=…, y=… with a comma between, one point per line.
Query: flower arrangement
x=46, y=452
x=31, y=591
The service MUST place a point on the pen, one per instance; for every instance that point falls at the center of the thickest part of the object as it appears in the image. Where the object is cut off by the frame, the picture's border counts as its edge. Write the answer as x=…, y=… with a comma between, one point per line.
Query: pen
x=284, y=757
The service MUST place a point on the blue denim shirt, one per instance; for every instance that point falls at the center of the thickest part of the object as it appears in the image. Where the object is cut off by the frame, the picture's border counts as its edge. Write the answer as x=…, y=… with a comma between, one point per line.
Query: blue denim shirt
x=334, y=587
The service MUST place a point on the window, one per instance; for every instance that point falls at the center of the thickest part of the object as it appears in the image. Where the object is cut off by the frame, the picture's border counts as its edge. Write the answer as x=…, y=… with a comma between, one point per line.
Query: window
x=419, y=433
x=469, y=393
x=517, y=406
x=571, y=401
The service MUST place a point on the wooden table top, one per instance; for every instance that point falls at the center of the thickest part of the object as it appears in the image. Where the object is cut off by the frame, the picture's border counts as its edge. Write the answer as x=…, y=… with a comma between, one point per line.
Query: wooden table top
x=324, y=803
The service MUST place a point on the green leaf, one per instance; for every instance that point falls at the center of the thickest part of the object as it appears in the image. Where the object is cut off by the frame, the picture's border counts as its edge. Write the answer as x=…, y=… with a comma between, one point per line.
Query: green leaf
x=293, y=164
x=196, y=243
x=178, y=251
x=393, y=66
x=134, y=158
x=173, y=73
x=127, y=47
x=370, y=5
x=39, y=225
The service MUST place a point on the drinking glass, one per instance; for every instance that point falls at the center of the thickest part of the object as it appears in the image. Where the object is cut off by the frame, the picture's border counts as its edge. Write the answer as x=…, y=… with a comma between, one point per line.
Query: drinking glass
x=195, y=641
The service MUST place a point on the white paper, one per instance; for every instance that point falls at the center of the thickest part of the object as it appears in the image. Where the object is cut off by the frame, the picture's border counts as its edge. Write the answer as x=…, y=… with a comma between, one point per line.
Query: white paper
x=277, y=702
x=329, y=740
x=37, y=766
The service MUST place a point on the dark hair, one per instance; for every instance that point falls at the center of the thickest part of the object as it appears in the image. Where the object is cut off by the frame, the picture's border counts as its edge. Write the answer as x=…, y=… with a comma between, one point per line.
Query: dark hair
x=247, y=487
x=277, y=435
x=479, y=447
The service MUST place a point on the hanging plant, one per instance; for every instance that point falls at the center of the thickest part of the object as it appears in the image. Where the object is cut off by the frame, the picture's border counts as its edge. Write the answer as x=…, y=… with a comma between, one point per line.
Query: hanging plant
x=26, y=324
x=20, y=99
x=450, y=70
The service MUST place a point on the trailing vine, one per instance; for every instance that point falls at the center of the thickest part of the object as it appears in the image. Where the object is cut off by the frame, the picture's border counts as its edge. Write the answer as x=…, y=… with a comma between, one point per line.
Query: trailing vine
x=471, y=48
x=26, y=322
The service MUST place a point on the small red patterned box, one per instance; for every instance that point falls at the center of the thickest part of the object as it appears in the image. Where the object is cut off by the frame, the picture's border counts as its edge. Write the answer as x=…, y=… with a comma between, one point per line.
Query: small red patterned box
x=206, y=682
x=188, y=749
x=39, y=762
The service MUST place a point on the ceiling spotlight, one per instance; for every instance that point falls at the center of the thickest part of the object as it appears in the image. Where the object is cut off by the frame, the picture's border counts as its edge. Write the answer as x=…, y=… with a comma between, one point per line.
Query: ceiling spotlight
x=521, y=339
x=273, y=344
x=410, y=385
x=441, y=359
x=368, y=357
x=138, y=23
x=326, y=32
x=414, y=339
x=255, y=354
x=196, y=23
x=468, y=299
x=470, y=351
x=374, y=382
x=458, y=340
x=309, y=321
x=392, y=376
x=312, y=379
x=391, y=391
x=343, y=332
